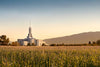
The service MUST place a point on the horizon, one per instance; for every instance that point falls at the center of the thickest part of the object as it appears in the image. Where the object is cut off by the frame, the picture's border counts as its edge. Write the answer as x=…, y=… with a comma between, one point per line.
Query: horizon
x=49, y=18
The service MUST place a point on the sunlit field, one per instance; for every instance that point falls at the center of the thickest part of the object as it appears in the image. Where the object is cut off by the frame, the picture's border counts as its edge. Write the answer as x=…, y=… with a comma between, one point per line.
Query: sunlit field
x=56, y=56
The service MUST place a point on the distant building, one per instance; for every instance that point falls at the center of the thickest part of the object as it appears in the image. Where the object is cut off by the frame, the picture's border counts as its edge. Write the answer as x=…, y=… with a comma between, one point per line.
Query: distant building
x=30, y=40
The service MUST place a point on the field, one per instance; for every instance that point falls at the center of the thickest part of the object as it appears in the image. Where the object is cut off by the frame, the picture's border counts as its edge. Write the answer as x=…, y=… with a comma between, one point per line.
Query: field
x=57, y=56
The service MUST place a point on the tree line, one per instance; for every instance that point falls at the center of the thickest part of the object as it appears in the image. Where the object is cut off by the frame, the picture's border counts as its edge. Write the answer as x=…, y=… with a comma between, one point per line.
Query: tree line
x=90, y=43
x=4, y=41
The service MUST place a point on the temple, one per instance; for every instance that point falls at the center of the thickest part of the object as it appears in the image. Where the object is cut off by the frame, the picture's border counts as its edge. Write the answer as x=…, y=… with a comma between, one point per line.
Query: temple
x=30, y=40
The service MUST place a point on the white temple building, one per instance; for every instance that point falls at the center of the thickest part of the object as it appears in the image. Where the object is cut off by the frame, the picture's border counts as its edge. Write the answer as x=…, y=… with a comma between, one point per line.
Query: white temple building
x=30, y=40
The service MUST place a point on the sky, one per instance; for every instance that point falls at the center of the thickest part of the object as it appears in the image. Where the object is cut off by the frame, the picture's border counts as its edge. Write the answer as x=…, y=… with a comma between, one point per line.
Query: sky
x=49, y=18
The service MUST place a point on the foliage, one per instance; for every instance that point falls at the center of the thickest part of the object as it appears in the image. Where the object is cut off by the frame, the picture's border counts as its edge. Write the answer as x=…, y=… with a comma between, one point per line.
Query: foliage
x=77, y=56
x=89, y=42
x=98, y=42
x=4, y=40
x=53, y=45
x=30, y=44
x=43, y=44
x=15, y=44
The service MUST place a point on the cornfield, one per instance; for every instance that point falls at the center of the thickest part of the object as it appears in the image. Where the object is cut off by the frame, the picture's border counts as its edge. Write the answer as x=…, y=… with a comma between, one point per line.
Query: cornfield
x=57, y=56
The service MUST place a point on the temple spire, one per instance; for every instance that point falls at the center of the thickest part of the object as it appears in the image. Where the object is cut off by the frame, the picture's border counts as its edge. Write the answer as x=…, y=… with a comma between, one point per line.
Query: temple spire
x=30, y=28
x=30, y=31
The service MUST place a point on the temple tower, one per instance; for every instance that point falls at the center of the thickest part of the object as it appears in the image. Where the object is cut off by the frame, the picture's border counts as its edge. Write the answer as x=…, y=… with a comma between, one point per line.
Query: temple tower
x=30, y=33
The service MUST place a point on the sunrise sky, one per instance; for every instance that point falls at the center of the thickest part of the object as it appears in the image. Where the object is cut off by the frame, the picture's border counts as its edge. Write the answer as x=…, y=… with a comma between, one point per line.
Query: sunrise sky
x=49, y=18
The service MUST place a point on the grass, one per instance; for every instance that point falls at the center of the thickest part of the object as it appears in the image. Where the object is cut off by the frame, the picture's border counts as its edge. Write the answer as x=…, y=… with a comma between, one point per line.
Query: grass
x=57, y=56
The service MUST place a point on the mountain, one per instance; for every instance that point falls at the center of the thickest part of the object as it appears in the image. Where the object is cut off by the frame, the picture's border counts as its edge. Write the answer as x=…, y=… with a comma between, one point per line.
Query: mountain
x=75, y=39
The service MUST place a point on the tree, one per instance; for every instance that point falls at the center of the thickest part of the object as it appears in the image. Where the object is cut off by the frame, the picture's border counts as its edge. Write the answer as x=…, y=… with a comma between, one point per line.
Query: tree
x=98, y=42
x=3, y=37
x=4, y=40
x=94, y=42
x=15, y=44
x=33, y=44
x=43, y=44
x=30, y=44
x=53, y=45
x=89, y=42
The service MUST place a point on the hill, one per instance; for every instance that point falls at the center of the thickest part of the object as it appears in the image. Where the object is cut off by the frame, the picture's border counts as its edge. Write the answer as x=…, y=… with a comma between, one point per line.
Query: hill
x=81, y=38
